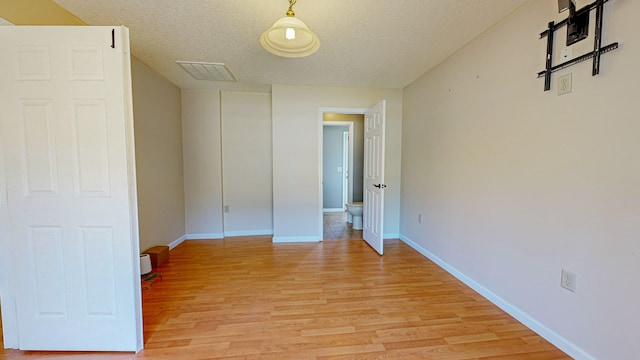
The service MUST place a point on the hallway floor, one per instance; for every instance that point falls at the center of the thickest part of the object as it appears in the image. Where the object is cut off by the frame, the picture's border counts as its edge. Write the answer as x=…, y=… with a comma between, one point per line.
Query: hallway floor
x=336, y=227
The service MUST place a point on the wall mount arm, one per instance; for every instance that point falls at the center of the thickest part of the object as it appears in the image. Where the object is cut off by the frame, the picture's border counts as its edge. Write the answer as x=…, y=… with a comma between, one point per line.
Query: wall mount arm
x=598, y=49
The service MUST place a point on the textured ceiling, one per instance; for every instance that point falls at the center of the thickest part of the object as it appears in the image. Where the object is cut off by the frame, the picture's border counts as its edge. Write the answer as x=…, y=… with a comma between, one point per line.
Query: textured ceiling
x=364, y=43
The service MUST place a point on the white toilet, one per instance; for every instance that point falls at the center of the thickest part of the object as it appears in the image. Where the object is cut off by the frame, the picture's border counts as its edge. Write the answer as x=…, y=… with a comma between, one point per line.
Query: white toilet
x=354, y=215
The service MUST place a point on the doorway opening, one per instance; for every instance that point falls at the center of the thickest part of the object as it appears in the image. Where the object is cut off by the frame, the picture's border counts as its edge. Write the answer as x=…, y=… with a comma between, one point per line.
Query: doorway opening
x=341, y=164
x=337, y=165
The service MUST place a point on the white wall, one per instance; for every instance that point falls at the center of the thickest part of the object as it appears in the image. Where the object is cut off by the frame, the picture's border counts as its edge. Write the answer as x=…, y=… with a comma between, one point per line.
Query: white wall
x=516, y=184
x=158, y=138
x=202, y=163
x=246, y=163
x=297, y=133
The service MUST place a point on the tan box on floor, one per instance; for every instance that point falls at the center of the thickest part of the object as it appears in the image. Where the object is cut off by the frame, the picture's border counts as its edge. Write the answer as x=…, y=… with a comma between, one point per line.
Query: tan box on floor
x=159, y=255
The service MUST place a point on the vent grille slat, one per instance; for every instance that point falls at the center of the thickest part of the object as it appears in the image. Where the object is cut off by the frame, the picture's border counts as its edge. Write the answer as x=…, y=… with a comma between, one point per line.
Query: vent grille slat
x=207, y=71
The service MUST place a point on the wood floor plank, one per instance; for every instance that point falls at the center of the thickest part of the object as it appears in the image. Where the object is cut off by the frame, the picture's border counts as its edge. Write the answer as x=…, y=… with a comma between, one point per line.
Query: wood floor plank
x=248, y=298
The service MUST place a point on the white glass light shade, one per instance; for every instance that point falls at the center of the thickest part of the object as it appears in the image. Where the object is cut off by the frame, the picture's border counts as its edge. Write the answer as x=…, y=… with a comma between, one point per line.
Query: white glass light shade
x=276, y=42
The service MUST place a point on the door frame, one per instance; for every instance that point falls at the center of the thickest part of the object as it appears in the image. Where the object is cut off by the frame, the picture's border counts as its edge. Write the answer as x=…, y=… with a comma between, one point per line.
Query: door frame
x=321, y=123
x=347, y=167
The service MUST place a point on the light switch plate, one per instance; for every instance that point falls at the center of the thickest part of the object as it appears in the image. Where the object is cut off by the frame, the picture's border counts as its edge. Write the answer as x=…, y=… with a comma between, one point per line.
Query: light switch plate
x=564, y=84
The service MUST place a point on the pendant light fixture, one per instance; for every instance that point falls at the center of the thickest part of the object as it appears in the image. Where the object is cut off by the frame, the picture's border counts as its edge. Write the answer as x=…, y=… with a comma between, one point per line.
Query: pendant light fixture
x=290, y=37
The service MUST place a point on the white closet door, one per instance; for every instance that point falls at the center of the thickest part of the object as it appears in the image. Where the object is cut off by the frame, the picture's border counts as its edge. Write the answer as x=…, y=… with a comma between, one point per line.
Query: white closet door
x=66, y=134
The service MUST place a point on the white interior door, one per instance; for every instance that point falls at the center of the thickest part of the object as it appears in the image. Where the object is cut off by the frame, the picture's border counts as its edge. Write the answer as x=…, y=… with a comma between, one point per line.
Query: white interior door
x=67, y=139
x=373, y=208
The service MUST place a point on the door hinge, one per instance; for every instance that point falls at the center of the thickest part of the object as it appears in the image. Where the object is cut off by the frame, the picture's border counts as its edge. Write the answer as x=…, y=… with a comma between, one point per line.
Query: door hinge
x=113, y=38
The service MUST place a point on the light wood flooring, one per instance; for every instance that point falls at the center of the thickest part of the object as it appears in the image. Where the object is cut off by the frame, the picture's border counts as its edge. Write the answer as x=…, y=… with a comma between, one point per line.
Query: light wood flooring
x=247, y=298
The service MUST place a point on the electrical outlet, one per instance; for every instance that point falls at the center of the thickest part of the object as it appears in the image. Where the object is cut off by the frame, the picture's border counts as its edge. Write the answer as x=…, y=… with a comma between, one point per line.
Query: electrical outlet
x=568, y=280
x=419, y=218
x=226, y=208
x=564, y=84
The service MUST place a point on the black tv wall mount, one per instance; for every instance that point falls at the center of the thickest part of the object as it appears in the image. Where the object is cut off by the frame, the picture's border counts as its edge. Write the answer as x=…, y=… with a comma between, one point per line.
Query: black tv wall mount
x=577, y=28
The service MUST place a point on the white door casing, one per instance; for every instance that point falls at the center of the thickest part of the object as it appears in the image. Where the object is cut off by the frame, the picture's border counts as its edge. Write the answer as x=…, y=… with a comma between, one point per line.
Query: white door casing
x=67, y=138
x=346, y=173
x=373, y=208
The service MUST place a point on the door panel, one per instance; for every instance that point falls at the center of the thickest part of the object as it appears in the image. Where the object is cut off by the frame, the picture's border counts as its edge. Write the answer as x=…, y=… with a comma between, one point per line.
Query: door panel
x=39, y=155
x=65, y=128
x=373, y=210
x=48, y=275
x=90, y=145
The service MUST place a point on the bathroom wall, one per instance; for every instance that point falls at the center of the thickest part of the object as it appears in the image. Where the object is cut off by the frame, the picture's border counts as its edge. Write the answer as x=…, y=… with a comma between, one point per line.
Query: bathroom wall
x=297, y=133
x=358, y=149
x=515, y=184
x=332, y=154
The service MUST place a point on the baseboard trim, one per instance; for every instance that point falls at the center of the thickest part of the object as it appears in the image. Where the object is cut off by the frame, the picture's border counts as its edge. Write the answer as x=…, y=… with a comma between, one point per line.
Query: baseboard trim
x=296, y=239
x=333, y=210
x=204, y=236
x=563, y=344
x=391, y=236
x=248, y=233
x=177, y=242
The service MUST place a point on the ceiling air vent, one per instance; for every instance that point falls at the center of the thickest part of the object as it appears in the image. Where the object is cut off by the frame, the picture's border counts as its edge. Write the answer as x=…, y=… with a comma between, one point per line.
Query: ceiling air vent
x=207, y=71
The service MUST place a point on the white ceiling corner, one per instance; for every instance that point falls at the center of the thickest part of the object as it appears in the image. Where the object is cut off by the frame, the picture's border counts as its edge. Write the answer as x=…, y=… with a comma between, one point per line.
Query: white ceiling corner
x=364, y=43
